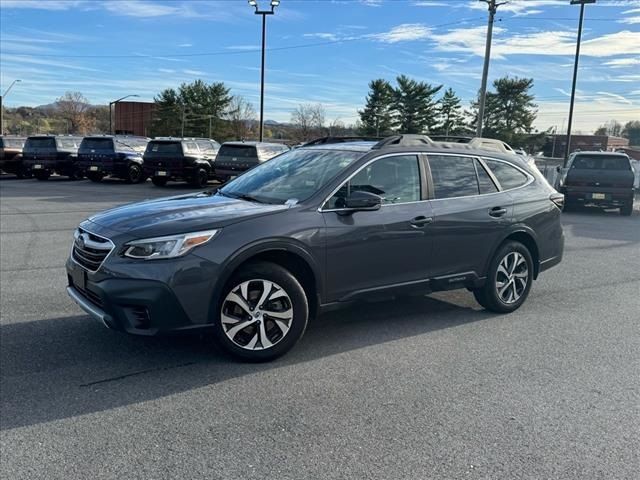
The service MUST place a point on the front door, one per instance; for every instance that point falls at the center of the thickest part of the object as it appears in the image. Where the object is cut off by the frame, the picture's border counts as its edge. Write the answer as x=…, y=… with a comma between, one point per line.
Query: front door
x=372, y=250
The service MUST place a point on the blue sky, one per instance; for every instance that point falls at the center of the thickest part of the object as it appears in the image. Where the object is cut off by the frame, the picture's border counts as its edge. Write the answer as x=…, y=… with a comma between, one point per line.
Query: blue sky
x=324, y=51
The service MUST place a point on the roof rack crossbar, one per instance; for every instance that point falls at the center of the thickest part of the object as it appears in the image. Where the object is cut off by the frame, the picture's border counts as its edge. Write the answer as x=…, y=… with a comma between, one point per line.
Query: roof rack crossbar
x=405, y=140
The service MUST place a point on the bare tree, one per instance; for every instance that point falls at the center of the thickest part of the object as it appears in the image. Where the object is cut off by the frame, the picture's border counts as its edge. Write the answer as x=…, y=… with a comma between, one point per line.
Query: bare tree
x=76, y=110
x=241, y=116
x=308, y=121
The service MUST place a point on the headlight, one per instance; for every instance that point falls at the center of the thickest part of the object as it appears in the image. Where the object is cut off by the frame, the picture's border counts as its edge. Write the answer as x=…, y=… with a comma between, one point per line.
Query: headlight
x=167, y=247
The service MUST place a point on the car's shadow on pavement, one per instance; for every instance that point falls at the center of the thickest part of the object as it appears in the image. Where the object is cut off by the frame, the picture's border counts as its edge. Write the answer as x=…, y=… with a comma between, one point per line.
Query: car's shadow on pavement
x=65, y=367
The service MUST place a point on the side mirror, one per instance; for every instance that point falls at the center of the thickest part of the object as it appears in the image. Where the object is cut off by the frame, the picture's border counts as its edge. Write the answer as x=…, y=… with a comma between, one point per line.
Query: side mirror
x=363, y=201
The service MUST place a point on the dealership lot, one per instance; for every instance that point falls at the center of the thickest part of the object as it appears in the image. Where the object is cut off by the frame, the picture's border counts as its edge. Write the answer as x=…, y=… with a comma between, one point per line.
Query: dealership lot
x=431, y=387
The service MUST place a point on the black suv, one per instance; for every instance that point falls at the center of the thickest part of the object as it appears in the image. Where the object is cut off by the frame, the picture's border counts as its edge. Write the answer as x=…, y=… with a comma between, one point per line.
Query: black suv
x=44, y=155
x=117, y=156
x=235, y=158
x=318, y=227
x=189, y=159
x=603, y=179
x=11, y=156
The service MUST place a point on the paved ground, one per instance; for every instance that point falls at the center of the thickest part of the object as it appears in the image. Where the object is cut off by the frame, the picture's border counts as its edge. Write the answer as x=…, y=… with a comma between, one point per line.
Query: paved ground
x=435, y=388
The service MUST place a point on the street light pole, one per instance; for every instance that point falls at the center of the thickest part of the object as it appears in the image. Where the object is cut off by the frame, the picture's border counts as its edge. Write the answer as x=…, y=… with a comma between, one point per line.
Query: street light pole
x=582, y=3
x=2, y=98
x=113, y=103
x=493, y=7
x=264, y=13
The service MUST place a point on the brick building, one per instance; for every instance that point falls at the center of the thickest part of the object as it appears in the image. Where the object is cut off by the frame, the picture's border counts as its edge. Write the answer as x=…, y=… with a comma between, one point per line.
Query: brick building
x=133, y=118
x=556, y=144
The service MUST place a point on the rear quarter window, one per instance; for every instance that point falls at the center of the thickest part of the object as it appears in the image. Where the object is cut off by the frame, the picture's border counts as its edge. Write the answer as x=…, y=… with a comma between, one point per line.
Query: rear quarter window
x=508, y=175
x=96, y=144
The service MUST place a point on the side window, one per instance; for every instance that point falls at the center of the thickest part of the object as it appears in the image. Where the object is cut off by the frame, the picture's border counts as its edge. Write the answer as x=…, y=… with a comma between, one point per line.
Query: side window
x=484, y=180
x=453, y=176
x=395, y=179
x=205, y=147
x=191, y=147
x=508, y=176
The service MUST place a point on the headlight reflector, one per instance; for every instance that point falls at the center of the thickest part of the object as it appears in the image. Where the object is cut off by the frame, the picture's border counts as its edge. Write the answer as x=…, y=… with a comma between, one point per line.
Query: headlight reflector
x=167, y=247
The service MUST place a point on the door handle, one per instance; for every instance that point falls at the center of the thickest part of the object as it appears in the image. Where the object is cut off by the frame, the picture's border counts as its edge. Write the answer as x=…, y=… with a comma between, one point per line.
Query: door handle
x=421, y=221
x=497, y=211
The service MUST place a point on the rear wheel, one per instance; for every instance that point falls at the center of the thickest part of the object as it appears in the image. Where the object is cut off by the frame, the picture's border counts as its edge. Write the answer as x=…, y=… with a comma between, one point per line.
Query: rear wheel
x=627, y=209
x=159, y=181
x=42, y=176
x=134, y=174
x=509, y=279
x=263, y=312
x=200, y=178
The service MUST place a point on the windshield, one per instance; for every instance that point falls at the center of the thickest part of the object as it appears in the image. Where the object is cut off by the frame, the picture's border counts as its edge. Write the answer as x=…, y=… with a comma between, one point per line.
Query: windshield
x=96, y=144
x=135, y=144
x=295, y=175
x=601, y=162
x=13, y=142
x=71, y=143
x=239, y=151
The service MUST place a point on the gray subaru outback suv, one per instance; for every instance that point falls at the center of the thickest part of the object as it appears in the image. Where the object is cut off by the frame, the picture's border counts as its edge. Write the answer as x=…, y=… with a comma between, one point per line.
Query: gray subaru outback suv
x=317, y=227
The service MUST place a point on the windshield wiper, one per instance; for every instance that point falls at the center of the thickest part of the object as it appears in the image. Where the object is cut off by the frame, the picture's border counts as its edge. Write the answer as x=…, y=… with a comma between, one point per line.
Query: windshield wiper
x=241, y=196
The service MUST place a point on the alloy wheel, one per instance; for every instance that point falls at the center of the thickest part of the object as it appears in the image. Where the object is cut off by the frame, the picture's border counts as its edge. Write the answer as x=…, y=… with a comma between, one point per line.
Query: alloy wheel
x=256, y=314
x=512, y=277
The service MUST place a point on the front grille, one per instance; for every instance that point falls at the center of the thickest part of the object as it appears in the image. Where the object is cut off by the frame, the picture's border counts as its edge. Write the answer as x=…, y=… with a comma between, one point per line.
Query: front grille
x=90, y=250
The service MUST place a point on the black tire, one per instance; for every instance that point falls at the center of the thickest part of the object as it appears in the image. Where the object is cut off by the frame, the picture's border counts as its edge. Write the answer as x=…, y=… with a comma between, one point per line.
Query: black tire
x=42, y=176
x=75, y=175
x=159, y=181
x=627, y=209
x=488, y=295
x=296, y=301
x=200, y=178
x=95, y=177
x=135, y=174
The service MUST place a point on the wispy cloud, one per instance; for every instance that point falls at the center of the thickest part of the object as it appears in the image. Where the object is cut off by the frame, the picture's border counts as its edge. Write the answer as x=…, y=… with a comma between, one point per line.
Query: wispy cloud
x=322, y=35
x=193, y=72
x=620, y=98
x=185, y=45
x=630, y=20
x=406, y=32
x=623, y=62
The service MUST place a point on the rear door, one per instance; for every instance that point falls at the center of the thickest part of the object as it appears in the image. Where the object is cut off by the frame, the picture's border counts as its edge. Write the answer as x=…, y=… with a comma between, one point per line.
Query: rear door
x=376, y=249
x=470, y=215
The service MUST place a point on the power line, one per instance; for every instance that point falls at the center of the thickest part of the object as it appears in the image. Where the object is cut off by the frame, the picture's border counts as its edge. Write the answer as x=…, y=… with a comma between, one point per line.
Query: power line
x=225, y=52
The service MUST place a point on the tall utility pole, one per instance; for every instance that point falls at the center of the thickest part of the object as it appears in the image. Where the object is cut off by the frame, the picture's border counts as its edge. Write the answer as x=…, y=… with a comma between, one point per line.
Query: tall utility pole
x=264, y=13
x=493, y=7
x=4, y=95
x=582, y=3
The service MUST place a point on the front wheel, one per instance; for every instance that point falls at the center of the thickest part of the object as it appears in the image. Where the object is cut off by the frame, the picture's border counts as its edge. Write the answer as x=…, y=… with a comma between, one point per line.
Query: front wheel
x=42, y=176
x=95, y=177
x=263, y=312
x=159, y=181
x=509, y=279
x=135, y=174
x=200, y=178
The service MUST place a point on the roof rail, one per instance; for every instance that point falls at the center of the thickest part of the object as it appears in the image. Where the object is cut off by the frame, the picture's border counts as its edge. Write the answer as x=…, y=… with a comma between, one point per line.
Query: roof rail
x=406, y=140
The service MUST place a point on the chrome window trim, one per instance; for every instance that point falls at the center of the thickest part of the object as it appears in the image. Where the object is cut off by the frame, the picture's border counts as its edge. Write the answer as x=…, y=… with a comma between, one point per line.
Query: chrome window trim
x=397, y=154
x=113, y=248
x=480, y=158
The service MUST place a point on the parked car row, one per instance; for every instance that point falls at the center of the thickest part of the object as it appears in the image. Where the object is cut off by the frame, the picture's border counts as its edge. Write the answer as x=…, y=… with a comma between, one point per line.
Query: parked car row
x=133, y=159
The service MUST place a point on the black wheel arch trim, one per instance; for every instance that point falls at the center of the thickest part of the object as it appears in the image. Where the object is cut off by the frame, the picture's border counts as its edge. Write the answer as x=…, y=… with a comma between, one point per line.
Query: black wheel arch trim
x=254, y=249
x=517, y=229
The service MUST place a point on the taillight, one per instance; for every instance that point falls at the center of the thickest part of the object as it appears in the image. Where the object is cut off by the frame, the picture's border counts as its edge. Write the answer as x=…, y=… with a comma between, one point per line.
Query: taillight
x=557, y=199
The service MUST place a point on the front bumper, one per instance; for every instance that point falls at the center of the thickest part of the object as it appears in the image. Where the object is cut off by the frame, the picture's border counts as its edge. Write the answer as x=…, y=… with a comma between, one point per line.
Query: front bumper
x=174, y=296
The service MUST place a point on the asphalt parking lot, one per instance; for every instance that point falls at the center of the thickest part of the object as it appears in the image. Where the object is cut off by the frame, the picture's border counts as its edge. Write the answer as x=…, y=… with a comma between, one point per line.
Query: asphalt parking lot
x=432, y=388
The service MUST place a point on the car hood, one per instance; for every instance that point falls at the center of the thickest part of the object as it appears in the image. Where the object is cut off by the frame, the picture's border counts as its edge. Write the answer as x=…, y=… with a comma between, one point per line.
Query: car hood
x=180, y=214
